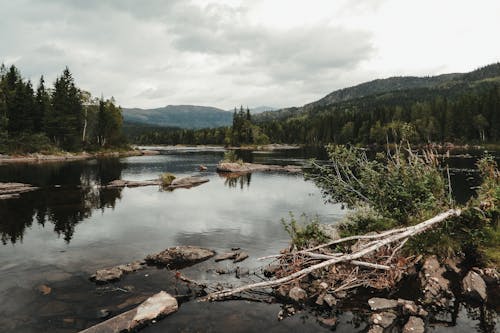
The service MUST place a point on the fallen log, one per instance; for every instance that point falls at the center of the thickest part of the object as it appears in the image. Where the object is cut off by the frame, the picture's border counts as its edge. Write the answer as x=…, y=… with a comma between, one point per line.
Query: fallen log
x=391, y=237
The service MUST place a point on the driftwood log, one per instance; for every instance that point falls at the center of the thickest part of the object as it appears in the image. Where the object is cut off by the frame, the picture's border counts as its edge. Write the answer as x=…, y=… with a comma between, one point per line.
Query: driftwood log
x=375, y=243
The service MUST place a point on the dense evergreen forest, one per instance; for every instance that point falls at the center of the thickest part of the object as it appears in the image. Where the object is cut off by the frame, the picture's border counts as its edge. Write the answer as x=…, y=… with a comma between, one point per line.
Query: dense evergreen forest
x=458, y=108
x=62, y=117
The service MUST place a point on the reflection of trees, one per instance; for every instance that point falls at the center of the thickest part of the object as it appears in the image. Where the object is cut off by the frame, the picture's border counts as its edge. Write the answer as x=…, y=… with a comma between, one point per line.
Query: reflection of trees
x=69, y=194
x=234, y=180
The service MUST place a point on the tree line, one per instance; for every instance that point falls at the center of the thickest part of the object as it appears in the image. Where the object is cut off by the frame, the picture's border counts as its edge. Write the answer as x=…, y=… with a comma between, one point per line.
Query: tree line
x=52, y=118
x=458, y=115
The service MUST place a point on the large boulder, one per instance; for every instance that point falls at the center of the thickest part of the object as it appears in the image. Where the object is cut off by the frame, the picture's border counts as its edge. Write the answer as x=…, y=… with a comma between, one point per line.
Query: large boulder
x=474, y=286
x=179, y=256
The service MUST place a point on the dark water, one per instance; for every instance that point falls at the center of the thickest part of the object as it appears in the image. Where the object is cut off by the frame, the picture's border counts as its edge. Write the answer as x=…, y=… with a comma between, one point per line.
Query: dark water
x=60, y=234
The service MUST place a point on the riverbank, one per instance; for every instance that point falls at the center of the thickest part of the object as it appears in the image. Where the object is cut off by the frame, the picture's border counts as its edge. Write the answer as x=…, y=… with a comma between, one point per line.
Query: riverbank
x=66, y=156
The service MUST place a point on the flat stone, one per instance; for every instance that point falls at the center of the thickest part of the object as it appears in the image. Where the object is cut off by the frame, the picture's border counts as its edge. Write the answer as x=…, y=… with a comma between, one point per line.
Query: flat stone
x=155, y=307
x=414, y=325
x=180, y=256
x=474, y=286
x=297, y=294
x=384, y=319
x=243, y=168
x=186, y=182
x=328, y=322
x=240, y=257
x=107, y=274
x=377, y=303
x=160, y=304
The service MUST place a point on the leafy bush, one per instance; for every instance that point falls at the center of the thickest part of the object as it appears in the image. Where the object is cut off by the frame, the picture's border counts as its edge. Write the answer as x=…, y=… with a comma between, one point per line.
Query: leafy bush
x=28, y=143
x=402, y=188
x=304, y=233
x=231, y=157
x=167, y=178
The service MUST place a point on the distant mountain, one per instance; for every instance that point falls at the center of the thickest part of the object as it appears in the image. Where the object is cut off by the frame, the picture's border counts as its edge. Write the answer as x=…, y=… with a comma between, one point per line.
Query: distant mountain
x=260, y=109
x=183, y=116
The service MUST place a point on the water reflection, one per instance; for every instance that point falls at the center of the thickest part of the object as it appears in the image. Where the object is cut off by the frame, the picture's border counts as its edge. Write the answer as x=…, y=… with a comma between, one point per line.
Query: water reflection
x=68, y=194
x=235, y=180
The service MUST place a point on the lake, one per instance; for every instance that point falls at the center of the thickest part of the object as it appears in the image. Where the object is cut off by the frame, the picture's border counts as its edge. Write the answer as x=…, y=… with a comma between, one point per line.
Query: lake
x=59, y=235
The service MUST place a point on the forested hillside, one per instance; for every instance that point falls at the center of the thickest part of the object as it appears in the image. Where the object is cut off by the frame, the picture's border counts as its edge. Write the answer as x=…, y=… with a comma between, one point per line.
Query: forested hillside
x=459, y=108
x=61, y=117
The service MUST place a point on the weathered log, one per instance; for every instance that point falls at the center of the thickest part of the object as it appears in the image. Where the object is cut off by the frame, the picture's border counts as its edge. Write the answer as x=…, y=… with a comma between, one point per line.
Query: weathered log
x=393, y=236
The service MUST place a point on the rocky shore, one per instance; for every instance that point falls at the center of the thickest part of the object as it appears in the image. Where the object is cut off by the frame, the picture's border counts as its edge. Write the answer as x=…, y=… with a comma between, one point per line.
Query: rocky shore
x=14, y=190
x=62, y=157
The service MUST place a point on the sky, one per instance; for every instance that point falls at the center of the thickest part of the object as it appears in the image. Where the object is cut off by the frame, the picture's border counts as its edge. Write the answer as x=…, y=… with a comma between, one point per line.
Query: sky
x=226, y=53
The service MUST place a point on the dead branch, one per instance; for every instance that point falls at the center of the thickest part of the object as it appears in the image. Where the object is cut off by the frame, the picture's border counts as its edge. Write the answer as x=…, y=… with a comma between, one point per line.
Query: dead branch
x=392, y=236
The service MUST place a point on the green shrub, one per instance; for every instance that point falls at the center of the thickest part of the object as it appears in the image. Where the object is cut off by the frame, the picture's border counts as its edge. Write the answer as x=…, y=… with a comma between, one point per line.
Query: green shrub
x=305, y=233
x=166, y=179
x=231, y=157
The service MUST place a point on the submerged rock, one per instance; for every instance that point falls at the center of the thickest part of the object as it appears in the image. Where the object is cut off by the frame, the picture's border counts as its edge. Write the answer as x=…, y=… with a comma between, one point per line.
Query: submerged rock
x=44, y=289
x=180, y=256
x=106, y=275
x=13, y=190
x=186, y=182
x=240, y=257
x=226, y=256
x=121, y=183
x=474, y=286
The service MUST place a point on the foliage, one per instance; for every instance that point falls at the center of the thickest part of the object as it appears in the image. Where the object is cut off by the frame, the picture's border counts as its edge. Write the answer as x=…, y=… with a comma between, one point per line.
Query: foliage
x=63, y=117
x=231, y=157
x=304, y=233
x=167, y=178
x=401, y=187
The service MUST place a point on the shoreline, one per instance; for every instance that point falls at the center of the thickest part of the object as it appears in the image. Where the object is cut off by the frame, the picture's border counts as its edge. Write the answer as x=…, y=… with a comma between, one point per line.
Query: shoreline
x=69, y=157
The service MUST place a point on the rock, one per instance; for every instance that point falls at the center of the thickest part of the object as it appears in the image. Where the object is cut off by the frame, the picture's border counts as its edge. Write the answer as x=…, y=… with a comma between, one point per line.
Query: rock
x=320, y=300
x=44, y=289
x=323, y=285
x=414, y=325
x=252, y=167
x=121, y=183
x=384, y=319
x=242, y=271
x=179, y=256
x=186, y=182
x=283, y=290
x=452, y=265
x=222, y=271
x=226, y=256
x=107, y=275
x=235, y=248
x=13, y=190
x=160, y=304
x=382, y=303
x=330, y=300
x=133, y=266
x=376, y=329
x=270, y=270
x=153, y=308
x=297, y=294
x=436, y=289
x=328, y=322
x=474, y=286
x=202, y=168
x=240, y=257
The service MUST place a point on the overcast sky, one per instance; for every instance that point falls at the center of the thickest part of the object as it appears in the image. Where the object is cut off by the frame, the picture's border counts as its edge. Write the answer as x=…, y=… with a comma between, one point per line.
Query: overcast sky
x=151, y=53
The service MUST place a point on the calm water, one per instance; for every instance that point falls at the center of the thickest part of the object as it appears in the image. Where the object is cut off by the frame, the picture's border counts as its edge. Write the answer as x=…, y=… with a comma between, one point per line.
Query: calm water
x=63, y=232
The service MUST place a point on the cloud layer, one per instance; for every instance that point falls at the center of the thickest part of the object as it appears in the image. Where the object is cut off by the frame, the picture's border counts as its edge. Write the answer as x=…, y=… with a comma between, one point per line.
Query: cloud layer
x=225, y=53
